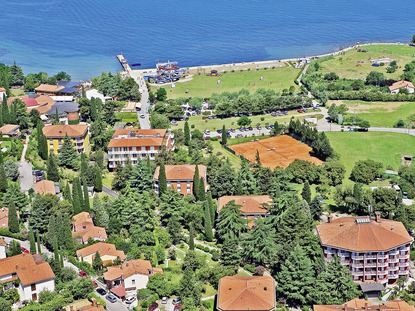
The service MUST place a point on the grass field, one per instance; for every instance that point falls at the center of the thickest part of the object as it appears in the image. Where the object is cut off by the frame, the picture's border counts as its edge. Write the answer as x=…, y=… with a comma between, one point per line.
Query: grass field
x=16, y=92
x=204, y=86
x=127, y=117
x=383, y=147
x=379, y=113
x=234, y=160
x=355, y=64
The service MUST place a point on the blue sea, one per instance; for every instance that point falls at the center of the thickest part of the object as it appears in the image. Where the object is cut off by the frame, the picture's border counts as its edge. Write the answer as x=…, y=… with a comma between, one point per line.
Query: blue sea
x=82, y=37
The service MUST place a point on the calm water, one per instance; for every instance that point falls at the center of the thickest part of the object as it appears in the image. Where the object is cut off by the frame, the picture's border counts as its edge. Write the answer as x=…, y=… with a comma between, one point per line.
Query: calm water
x=82, y=37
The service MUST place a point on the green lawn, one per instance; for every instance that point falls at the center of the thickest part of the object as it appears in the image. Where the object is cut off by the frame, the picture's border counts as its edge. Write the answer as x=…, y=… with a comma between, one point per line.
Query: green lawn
x=127, y=117
x=16, y=92
x=235, y=161
x=379, y=113
x=204, y=86
x=355, y=64
x=383, y=147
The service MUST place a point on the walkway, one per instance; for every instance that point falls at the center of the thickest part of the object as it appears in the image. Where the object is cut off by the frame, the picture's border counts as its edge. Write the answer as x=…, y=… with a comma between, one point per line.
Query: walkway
x=110, y=192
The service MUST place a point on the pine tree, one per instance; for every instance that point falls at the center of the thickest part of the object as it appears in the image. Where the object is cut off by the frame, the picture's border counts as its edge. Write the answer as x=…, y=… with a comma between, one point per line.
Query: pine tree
x=39, y=248
x=99, y=158
x=191, y=238
x=162, y=180
x=76, y=203
x=224, y=136
x=315, y=208
x=56, y=117
x=3, y=179
x=230, y=224
x=141, y=178
x=202, y=190
x=32, y=242
x=246, y=180
x=67, y=193
x=208, y=222
x=97, y=262
x=42, y=142
x=98, y=179
x=5, y=111
x=80, y=193
x=1, y=119
x=84, y=164
x=93, y=109
x=87, y=207
x=186, y=134
x=212, y=208
x=196, y=180
x=1, y=157
x=230, y=255
x=101, y=214
x=306, y=193
x=52, y=168
x=68, y=156
x=13, y=219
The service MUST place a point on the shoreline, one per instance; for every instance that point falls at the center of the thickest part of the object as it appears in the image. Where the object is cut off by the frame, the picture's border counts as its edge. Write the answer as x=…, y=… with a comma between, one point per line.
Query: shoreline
x=203, y=69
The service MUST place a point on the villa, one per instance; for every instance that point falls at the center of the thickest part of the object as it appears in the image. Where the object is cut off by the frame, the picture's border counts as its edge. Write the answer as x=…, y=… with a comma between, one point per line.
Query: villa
x=397, y=86
x=78, y=133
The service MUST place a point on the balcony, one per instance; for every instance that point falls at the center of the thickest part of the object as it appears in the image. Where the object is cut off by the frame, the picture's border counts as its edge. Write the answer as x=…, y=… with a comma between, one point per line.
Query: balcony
x=403, y=256
x=404, y=264
x=345, y=262
x=332, y=252
x=403, y=271
x=357, y=273
x=382, y=256
x=354, y=257
x=383, y=264
x=370, y=264
x=371, y=256
x=393, y=268
x=393, y=276
x=394, y=260
x=393, y=253
x=370, y=272
x=357, y=265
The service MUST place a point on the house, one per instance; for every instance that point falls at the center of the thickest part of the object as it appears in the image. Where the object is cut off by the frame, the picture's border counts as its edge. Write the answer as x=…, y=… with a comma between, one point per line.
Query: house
x=2, y=93
x=251, y=206
x=375, y=250
x=73, y=117
x=48, y=89
x=83, y=228
x=364, y=305
x=129, y=276
x=394, y=88
x=243, y=293
x=63, y=108
x=78, y=133
x=41, y=103
x=96, y=94
x=93, y=306
x=47, y=187
x=180, y=177
x=4, y=217
x=10, y=130
x=32, y=273
x=107, y=252
x=2, y=249
x=136, y=144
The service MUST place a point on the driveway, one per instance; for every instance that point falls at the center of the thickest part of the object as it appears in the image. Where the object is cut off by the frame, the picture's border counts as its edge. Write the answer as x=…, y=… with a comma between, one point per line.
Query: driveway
x=26, y=177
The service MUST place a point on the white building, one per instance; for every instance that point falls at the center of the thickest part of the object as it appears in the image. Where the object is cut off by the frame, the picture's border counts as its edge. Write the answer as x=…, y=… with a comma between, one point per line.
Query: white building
x=96, y=94
x=394, y=88
x=2, y=249
x=32, y=272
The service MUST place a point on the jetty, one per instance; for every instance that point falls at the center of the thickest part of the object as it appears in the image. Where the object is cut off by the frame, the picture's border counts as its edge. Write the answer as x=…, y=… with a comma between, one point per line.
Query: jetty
x=124, y=63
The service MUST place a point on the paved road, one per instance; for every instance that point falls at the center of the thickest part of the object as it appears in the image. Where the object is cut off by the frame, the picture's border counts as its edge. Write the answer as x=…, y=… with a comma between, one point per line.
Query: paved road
x=110, y=192
x=139, y=79
x=26, y=177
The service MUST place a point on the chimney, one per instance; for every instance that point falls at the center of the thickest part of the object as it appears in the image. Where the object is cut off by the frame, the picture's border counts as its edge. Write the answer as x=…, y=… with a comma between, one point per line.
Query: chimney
x=377, y=216
x=345, y=306
x=341, y=225
x=392, y=228
x=365, y=305
x=329, y=218
x=71, y=308
x=94, y=302
x=244, y=202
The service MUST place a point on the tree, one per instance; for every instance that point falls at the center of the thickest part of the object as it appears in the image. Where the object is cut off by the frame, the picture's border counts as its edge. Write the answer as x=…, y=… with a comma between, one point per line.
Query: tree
x=191, y=238
x=42, y=143
x=230, y=224
x=101, y=214
x=384, y=201
x=196, y=180
x=98, y=179
x=188, y=287
x=157, y=284
x=413, y=39
x=13, y=219
x=32, y=242
x=224, y=136
x=159, y=121
x=5, y=111
x=161, y=94
x=208, y=222
x=76, y=197
x=5, y=305
x=247, y=184
x=375, y=78
x=315, y=208
x=366, y=171
x=39, y=248
x=68, y=156
x=186, y=134
x=141, y=178
x=162, y=180
x=3, y=179
x=202, y=190
x=17, y=75
x=306, y=193
x=230, y=255
x=99, y=158
x=122, y=175
x=87, y=207
x=52, y=172
x=364, y=124
x=11, y=169
x=212, y=207
x=244, y=121
x=97, y=262
x=14, y=249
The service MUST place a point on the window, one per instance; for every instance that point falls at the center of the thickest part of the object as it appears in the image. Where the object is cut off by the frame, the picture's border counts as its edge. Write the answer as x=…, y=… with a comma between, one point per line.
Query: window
x=33, y=286
x=133, y=282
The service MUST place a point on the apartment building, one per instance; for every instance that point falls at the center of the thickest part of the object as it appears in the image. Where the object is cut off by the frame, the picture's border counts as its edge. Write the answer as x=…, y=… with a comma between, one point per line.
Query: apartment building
x=78, y=133
x=136, y=144
x=374, y=249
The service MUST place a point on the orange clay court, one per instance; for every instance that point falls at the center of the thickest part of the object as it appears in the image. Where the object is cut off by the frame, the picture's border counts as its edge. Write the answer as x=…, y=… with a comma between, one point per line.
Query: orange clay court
x=276, y=151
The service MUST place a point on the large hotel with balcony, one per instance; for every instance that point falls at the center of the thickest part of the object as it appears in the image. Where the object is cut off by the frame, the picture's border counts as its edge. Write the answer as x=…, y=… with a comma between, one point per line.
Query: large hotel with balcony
x=374, y=249
x=78, y=133
x=136, y=144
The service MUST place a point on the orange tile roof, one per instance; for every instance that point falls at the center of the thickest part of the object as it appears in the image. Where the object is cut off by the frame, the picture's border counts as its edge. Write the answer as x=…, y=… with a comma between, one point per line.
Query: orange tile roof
x=181, y=172
x=27, y=269
x=346, y=233
x=92, y=232
x=84, y=228
x=9, y=128
x=135, y=142
x=2, y=242
x=45, y=187
x=60, y=131
x=4, y=217
x=246, y=293
x=2, y=89
x=45, y=103
x=73, y=116
x=144, y=132
x=129, y=268
x=48, y=88
x=102, y=248
x=365, y=305
x=81, y=217
x=250, y=204
x=400, y=84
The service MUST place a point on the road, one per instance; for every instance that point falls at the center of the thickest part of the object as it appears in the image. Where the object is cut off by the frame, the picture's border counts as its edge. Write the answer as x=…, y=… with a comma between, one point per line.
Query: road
x=110, y=192
x=139, y=79
x=25, y=177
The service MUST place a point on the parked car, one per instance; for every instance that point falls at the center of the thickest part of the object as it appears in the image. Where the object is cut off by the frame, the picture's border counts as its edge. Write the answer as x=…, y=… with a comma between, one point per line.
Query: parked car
x=315, y=108
x=24, y=250
x=285, y=112
x=207, y=132
x=239, y=135
x=300, y=111
x=95, y=284
x=101, y=291
x=207, y=137
x=130, y=299
x=241, y=129
x=177, y=307
x=83, y=274
x=142, y=116
x=111, y=298
x=153, y=306
x=250, y=128
x=164, y=300
x=219, y=131
x=232, y=130
x=258, y=127
x=274, y=114
x=177, y=301
x=173, y=123
x=305, y=110
x=271, y=126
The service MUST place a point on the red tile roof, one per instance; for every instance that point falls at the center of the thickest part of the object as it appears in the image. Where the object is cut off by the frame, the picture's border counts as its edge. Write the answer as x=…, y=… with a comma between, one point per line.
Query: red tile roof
x=30, y=102
x=365, y=305
x=119, y=291
x=250, y=204
x=48, y=88
x=45, y=187
x=102, y=248
x=361, y=234
x=60, y=131
x=2, y=242
x=236, y=293
x=135, y=142
x=129, y=268
x=181, y=172
x=400, y=84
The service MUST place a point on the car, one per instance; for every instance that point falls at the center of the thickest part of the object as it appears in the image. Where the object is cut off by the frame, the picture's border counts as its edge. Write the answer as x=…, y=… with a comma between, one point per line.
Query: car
x=207, y=138
x=153, y=306
x=274, y=114
x=241, y=129
x=130, y=300
x=111, y=298
x=207, y=132
x=315, y=108
x=305, y=110
x=300, y=111
x=232, y=130
x=285, y=112
x=258, y=127
x=101, y=291
x=219, y=131
x=83, y=274
x=24, y=250
x=95, y=284
x=250, y=128
x=173, y=123
x=142, y=116
x=177, y=307
x=271, y=126
x=267, y=127
x=239, y=135
x=164, y=300
x=176, y=301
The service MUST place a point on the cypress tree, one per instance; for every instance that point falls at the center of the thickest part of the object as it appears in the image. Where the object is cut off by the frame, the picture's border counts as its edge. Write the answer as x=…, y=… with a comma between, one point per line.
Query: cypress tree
x=57, y=117
x=3, y=179
x=97, y=262
x=315, y=208
x=306, y=193
x=191, y=238
x=12, y=114
x=42, y=142
x=99, y=158
x=84, y=164
x=5, y=111
x=162, y=180
x=80, y=193
x=67, y=193
x=224, y=136
x=39, y=249
x=212, y=207
x=32, y=242
x=83, y=92
x=61, y=262
x=186, y=134
x=93, y=108
x=202, y=191
x=13, y=220
x=1, y=157
x=1, y=119
x=208, y=223
x=87, y=207
x=196, y=181
x=98, y=179
x=76, y=203
x=52, y=168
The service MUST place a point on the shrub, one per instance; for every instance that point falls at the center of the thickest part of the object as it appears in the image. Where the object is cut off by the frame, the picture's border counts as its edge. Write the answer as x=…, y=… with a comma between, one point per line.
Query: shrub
x=400, y=123
x=250, y=268
x=215, y=255
x=192, y=126
x=207, y=249
x=214, y=138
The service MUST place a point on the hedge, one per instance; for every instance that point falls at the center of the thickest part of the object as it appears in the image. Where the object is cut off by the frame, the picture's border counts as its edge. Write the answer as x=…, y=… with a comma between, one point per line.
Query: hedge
x=6, y=232
x=250, y=268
